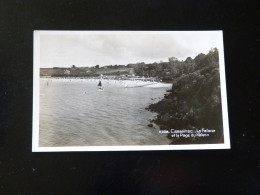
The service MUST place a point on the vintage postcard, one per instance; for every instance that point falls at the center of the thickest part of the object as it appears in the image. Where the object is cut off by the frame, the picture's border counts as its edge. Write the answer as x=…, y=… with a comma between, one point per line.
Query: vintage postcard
x=129, y=90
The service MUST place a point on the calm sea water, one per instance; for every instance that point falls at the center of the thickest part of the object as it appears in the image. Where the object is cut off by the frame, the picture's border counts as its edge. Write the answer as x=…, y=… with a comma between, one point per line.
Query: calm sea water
x=74, y=113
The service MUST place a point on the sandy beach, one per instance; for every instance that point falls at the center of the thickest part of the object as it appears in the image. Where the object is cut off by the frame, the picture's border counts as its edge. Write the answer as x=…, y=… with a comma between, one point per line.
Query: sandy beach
x=122, y=83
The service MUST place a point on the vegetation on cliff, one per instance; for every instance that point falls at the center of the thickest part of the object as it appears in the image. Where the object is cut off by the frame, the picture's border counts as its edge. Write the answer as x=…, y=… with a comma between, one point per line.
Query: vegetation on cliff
x=194, y=102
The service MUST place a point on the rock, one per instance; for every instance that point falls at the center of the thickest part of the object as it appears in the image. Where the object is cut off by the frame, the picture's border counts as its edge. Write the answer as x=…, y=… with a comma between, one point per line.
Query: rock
x=150, y=125
x=165, y=117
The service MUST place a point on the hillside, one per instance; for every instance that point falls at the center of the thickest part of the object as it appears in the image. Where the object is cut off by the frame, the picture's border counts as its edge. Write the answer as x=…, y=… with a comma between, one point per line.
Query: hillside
x=84, y=71
x=194, y=102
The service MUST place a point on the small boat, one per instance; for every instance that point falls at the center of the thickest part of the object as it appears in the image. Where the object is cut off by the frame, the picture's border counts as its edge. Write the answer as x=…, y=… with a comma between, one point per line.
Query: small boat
x=99, y=84
x=100, y=88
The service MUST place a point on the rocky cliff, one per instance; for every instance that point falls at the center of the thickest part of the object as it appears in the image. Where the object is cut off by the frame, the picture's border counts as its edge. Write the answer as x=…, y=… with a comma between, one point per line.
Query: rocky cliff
x=194, y=102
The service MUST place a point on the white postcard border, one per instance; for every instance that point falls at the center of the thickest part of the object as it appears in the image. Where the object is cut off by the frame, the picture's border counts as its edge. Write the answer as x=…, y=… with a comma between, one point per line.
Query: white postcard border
x=36, y=96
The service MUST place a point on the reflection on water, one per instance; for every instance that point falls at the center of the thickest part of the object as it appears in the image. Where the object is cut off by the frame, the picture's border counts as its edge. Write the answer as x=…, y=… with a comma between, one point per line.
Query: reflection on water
x=74, y=113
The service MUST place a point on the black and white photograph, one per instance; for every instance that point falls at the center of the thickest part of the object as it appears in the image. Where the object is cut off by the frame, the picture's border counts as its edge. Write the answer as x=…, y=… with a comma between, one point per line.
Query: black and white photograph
x=129, y=90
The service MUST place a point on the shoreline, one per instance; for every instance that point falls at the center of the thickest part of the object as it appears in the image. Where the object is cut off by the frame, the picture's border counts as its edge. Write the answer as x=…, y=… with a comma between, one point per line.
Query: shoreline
x=126, y=83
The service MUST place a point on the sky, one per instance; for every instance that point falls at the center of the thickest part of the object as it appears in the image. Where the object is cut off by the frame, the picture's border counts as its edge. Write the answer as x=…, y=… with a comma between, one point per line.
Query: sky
x=90, y=48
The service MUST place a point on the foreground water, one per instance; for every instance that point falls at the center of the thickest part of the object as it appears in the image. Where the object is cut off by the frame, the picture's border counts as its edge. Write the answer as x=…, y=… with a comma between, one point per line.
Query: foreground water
x=74, y=113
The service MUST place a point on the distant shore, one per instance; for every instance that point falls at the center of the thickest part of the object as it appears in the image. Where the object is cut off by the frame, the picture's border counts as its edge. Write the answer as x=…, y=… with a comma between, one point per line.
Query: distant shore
x=126, y=83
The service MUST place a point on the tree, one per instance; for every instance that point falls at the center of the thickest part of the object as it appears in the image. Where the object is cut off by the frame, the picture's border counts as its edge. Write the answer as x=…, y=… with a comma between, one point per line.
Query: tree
x=97, y=66
x=200, y=60
x=188, y=60
x=139, y=69
x=172, y=59
x=213, y=55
